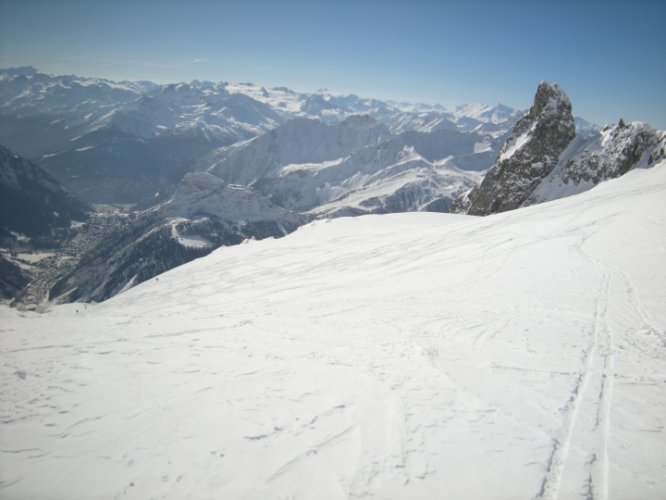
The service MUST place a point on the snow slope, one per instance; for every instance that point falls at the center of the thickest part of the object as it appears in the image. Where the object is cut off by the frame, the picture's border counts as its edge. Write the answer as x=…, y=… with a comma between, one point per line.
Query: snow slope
x=418, y=355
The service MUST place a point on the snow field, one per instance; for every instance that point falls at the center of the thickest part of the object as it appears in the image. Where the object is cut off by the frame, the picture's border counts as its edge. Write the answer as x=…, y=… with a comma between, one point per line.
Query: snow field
x=419, y=355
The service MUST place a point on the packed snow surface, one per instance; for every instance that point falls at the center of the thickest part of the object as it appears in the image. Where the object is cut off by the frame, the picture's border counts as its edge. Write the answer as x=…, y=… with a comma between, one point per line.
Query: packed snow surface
x=418, y=355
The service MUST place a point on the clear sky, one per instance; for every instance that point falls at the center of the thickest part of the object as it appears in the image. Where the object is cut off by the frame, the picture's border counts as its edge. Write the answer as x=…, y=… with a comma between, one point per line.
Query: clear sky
x=608, y=55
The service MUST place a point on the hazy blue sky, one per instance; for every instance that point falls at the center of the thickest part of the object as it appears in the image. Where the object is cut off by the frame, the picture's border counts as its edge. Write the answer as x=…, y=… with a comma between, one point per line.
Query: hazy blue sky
x=609, y=56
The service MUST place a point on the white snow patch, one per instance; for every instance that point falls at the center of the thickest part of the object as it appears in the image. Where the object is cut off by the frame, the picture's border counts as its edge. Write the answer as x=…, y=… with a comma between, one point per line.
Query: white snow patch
x=189, y=241
x=35, y=257
x=482, y=147
x=511, y=148
x=51, y=155
x=311, y=167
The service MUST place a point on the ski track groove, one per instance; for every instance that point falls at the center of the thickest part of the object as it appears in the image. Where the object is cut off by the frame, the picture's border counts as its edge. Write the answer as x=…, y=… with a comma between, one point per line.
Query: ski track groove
x=561, y=446
x=606, y=396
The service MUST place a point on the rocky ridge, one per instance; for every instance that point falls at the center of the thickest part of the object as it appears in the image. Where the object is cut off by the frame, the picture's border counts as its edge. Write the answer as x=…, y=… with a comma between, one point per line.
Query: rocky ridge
x=546, y=158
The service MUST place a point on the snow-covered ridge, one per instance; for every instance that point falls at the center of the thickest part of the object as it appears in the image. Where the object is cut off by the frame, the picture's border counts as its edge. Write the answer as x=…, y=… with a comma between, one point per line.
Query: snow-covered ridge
x=404, y=356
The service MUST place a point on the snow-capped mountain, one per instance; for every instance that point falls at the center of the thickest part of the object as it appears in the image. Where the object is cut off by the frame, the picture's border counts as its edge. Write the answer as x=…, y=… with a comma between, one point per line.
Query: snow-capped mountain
x=547, y=158
x=425, y=121
x=298, y=141
x=131, y=142
x=139, y=109
x=418, y=355
x=352, y=167
x=203, y=214
x=122, y=142
x=389, y=177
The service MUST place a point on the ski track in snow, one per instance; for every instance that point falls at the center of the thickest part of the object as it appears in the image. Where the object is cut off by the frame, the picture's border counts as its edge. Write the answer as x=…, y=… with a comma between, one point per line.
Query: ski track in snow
x=584, y=394
x=402, y=356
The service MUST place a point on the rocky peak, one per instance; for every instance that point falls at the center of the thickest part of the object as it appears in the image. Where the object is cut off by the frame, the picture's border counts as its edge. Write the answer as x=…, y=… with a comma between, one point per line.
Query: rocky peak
x=550, y=101
x=528, y=155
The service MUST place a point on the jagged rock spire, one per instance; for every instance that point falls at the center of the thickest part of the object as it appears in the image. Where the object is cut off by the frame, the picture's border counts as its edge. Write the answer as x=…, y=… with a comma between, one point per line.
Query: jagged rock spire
x=528, y=155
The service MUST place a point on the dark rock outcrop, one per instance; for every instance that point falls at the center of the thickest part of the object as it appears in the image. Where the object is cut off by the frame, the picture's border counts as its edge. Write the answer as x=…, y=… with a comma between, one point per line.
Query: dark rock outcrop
x=528, y=156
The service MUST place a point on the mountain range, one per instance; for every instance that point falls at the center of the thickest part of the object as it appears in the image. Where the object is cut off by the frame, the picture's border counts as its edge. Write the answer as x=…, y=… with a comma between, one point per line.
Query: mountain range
x=210, y=295
x=208, y=164
x=131, y=142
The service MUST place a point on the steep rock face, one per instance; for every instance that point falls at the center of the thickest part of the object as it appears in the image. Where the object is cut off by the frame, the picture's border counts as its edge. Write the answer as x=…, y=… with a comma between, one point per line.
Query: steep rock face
x=528, y=155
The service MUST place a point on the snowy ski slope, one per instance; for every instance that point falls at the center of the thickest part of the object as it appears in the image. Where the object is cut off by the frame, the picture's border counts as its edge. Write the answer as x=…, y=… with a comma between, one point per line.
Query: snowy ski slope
x=417, y=355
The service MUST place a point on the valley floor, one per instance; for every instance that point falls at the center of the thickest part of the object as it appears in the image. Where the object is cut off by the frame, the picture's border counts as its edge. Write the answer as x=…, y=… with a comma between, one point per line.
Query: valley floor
x=418, y=355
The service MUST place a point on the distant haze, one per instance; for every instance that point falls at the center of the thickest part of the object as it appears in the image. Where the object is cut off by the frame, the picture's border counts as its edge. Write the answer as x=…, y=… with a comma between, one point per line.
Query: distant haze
x=607, y=55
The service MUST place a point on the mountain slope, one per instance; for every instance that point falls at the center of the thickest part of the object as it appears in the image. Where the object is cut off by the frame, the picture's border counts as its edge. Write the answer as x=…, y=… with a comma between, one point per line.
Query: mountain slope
x=354, y=167
x=202, y=214
x=298, y=141
x=32, y=203
x=12, y=279
x=519, y=355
